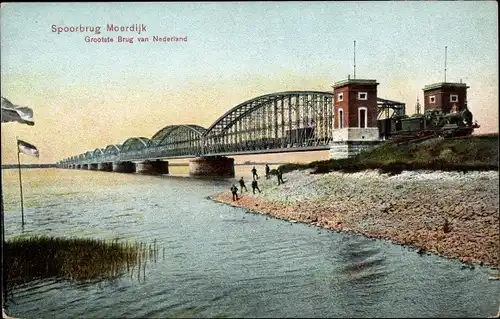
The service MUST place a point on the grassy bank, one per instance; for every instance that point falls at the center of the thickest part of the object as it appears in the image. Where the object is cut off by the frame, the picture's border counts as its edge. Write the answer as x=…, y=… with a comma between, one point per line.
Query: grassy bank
x=477, y=153
x=78, y=259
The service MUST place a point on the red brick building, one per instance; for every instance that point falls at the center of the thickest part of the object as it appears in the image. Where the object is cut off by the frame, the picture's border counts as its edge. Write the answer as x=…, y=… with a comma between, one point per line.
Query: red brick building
x=442, y=96
x=355, y=103
x=355, y=110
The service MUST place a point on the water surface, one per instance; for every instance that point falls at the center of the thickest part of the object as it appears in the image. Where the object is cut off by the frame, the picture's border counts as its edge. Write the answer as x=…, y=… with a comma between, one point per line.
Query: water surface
x=221, y=261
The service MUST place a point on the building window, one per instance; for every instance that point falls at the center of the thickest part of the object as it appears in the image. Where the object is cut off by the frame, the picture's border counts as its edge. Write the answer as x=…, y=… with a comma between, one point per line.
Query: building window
x=362, y=96
x=453, y=98
x=340, y=97
x=362, y=117
x=432, y=99
x=341, y=118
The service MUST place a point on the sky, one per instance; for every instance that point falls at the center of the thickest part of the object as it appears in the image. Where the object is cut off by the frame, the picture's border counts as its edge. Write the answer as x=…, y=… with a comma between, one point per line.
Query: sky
x=87, y=95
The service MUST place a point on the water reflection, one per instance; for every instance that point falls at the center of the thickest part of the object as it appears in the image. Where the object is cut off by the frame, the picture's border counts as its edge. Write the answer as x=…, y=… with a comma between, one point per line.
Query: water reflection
x=360, y=277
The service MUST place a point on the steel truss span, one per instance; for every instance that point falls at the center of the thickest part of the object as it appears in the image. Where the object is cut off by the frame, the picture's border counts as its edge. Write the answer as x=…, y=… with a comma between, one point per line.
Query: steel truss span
x=134, y=147
x=278, y=122
x=111, y=153
x=283, y=120
x=177, y=140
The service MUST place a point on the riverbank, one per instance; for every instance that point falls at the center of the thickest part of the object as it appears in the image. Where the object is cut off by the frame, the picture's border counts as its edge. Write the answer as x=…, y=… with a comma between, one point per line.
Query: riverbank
x=475, y=153
x=453, y=214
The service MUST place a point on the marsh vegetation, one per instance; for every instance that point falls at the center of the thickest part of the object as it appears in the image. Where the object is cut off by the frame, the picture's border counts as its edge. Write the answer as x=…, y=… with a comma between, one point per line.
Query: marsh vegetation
x=78, y=259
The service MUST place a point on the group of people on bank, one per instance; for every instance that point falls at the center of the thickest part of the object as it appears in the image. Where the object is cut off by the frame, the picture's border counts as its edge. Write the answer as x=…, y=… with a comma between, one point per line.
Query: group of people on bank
x=255, y=185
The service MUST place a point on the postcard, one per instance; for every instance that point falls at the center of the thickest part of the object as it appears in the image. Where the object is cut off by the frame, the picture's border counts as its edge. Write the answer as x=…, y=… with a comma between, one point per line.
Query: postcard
x=249, y=159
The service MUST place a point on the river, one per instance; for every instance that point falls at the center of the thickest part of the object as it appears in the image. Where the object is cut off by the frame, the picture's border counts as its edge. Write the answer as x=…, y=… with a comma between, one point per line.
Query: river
x=220, y=261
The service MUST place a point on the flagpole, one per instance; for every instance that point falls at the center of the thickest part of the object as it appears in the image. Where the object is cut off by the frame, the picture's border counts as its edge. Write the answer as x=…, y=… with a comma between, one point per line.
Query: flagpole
x=20, y=183
x=4, y=268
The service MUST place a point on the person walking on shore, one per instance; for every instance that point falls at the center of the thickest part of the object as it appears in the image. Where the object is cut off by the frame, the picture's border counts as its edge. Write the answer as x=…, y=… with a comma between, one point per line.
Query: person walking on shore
x=255, y=187
x=280, y=177
x=242, y=185
x=234, y=190
x=254, y=174
x=268, y=170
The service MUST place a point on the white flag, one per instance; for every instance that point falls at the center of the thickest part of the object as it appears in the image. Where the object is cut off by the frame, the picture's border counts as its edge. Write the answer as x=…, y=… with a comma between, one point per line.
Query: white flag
x=15, y=113
x=27, y=148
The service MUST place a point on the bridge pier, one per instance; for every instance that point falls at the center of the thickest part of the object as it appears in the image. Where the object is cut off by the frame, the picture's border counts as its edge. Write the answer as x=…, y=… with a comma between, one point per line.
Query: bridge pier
x=85, y=166
x=216, y=166
x=152, y=167
x=349, y=142
x=124, y=167
x=106, y=167
x=92, y=167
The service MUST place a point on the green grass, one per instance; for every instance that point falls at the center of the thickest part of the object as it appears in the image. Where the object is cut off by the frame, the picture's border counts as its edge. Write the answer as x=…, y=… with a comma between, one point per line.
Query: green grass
x=476, y=153
x=37, y=257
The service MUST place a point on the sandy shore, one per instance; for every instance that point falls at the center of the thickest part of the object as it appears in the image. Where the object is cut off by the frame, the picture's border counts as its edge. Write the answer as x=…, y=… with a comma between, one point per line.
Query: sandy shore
x=452, y=214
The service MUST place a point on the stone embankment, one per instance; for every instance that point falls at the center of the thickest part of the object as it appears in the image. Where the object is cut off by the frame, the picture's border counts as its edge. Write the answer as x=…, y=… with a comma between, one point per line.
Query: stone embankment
x=452, y=214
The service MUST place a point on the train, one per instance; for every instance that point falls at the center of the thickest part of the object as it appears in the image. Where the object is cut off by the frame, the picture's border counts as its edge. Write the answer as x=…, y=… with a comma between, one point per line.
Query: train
x=430, y=123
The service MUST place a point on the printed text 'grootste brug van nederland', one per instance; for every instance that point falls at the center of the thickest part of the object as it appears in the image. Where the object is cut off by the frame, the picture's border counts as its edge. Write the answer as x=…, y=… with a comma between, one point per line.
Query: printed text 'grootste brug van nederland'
x=96, y=30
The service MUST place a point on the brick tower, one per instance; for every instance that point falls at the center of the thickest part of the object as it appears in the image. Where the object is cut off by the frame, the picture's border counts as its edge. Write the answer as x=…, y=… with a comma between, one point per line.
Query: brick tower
x=445, y=96
x=355, y=117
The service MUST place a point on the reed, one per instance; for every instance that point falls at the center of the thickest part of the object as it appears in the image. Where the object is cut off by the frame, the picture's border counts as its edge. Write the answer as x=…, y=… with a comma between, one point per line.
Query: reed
x=80, y=259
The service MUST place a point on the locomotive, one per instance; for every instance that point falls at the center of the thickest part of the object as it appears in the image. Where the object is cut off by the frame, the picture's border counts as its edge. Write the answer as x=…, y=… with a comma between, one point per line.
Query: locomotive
x=431, y=123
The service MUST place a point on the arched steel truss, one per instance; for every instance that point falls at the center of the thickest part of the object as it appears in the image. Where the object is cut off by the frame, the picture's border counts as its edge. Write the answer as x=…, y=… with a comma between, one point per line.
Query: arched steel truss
x=111, y=153
x=98, y=152
x=161, y=135
x=285, y=120
x=112, y=149
x=293, y=119
x=177, y=140
x=134, y=147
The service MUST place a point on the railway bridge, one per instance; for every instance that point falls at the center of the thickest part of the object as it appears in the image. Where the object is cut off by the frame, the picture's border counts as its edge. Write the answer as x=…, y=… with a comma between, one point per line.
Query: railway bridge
x=293, y=121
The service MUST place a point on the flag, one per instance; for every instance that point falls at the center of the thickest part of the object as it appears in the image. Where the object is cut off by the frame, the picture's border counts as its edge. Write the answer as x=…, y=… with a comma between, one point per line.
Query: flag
x=27, y=148
x=15, y=113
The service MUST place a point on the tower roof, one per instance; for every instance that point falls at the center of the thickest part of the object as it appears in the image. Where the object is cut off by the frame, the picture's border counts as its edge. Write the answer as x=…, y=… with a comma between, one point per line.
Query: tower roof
x=444, y=85
x=355, y=81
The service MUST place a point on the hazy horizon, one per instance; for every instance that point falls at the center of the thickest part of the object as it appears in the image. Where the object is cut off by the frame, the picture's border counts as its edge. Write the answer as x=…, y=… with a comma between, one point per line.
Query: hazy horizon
x=89, y=95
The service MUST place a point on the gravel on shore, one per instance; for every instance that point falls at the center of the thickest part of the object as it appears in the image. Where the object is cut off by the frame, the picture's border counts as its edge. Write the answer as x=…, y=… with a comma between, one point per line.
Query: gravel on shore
x=453, y=214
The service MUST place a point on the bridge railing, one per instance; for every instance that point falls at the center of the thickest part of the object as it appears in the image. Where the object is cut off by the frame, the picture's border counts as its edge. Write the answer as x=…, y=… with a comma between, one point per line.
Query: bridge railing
x=110, y=158
x=265, y=144
x=215, y=146
x=244, y=146
x=155, y=152
x=168, y=152
x=135, y=155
